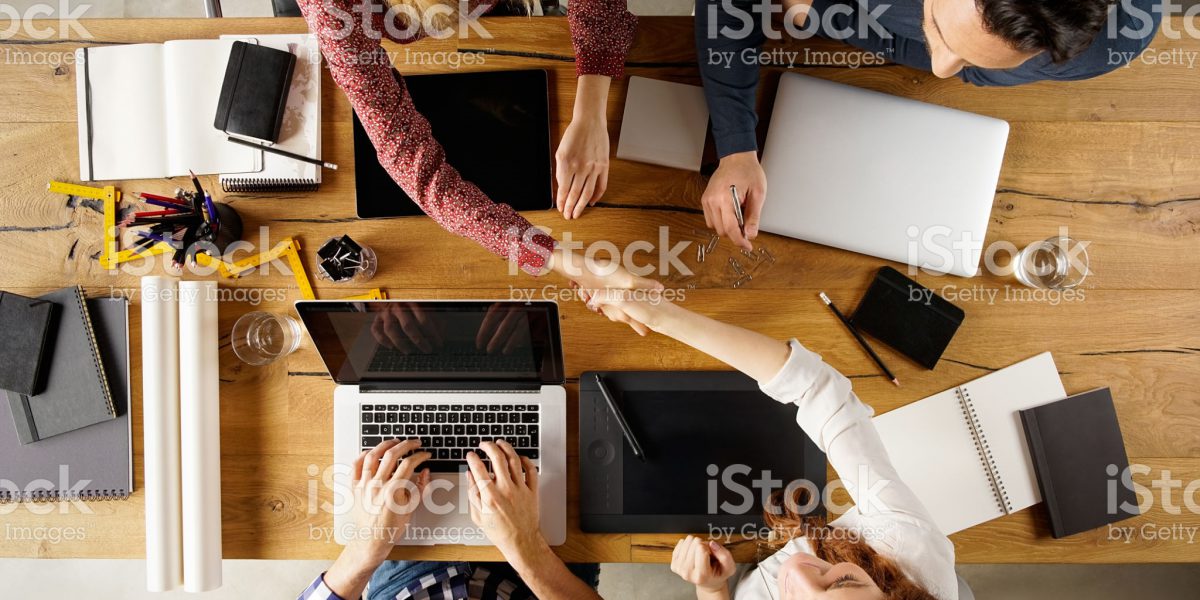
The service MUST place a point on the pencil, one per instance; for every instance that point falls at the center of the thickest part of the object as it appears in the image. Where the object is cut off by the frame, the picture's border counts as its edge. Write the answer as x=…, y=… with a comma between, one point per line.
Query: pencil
x=616, y=410
x=291, y=155
x=858, y=336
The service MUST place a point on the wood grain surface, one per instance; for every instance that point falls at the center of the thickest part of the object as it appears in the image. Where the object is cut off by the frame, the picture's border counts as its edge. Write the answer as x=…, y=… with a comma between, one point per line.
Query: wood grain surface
x=1116, y=160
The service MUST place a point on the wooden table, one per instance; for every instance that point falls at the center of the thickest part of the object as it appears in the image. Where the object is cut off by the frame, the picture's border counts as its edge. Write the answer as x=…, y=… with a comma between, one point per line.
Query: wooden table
x=1117, y=160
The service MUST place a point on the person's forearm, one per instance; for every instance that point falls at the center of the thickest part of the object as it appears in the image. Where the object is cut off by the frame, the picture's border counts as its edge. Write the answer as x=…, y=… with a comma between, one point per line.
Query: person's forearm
x=750, y=352
x=546, y=575
x=721, y=593
x=591, y=98
x=349, y=574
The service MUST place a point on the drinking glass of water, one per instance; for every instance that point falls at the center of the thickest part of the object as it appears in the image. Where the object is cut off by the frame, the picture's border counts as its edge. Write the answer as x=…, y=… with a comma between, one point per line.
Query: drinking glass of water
x=259, y=338
x=1059, y=263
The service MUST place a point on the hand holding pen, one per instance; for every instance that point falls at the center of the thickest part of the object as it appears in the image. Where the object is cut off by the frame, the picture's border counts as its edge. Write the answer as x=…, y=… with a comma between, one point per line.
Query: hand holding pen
x=734, y=198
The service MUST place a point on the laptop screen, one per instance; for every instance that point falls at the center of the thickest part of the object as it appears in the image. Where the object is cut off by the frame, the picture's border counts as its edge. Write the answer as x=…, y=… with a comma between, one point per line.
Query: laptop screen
x=436, y=341
x=495, y=129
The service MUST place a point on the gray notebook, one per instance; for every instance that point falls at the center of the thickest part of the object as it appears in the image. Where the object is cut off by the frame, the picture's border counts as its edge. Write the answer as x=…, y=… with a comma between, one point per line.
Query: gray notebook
x=76, y=394
x=92, y=463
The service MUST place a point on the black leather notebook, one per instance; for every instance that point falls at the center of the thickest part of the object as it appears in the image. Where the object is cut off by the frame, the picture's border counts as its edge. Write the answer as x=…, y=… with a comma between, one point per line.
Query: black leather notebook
x=77, y=392
x=908, y=317
x=26, y=324
x=254, y=93
x=1077, y=451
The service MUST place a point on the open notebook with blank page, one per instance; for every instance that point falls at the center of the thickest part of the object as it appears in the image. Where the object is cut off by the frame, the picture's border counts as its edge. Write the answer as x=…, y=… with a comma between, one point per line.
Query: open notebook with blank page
x=963, y=451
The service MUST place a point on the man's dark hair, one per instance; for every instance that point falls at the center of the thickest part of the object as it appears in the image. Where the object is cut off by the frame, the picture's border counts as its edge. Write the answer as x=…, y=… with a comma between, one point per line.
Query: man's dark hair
x=1062, y=28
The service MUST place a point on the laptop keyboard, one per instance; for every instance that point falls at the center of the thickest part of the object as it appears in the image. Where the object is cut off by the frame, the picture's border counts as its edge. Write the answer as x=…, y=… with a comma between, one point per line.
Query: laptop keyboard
x=450, y=430
x=388, y=360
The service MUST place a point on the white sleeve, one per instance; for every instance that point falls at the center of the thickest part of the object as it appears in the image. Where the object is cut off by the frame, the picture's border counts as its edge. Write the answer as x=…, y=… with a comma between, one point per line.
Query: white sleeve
x=840, y=425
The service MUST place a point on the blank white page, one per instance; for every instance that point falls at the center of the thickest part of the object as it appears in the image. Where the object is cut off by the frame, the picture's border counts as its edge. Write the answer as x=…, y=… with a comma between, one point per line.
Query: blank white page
x=931, y=446
x=997, y=399
x=127, y=116
x=193, y=71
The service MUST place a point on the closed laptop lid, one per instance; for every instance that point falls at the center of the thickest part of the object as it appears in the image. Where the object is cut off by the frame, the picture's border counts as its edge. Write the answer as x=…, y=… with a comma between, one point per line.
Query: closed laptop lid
x=881, y=175
x=427, y=341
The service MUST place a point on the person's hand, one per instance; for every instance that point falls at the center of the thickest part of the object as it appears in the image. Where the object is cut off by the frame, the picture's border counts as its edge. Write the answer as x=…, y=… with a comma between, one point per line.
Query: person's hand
x=703, y=563
x=404, y=326
x=505, y=328
x=504, y=502
x=387, y=489
x=581, y=163
x=641, y=311
x=593, y=275
x=743, y=171
x=581, y=166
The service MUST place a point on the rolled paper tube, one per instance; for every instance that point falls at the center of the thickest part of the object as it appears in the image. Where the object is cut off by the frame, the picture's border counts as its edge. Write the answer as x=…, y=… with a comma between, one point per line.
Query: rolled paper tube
x=160, y=414
x=200, y=425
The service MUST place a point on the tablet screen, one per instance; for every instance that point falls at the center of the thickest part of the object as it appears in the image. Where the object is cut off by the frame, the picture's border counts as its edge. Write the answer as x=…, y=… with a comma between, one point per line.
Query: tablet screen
x=684, y=434
x=495, y=129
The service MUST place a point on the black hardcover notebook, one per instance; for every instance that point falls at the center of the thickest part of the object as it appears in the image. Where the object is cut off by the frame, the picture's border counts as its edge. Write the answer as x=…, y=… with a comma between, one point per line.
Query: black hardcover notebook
x=908, y=317
x=254, y=93
x=93, y=463
x=1077, y=450
x=77, y=393
x=26, y=324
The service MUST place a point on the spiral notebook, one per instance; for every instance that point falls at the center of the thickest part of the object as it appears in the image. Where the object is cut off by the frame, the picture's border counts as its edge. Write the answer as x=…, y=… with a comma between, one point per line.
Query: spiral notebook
x=92, y=463
x=301, y=129
x=963, y=452
x=76, y=394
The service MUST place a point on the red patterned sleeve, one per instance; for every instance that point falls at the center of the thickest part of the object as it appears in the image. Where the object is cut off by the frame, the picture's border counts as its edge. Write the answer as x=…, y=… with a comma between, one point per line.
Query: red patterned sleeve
x=602, y=33
x=405, y=144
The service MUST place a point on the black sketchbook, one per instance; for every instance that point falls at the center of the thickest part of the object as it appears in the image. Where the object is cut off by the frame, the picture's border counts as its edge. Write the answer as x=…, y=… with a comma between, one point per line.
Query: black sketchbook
x=1077, y=451
x=27, y=324
x=77, y=392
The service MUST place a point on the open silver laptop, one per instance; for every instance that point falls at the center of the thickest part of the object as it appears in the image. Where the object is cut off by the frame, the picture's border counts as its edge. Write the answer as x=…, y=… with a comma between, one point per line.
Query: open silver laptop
x=423, y=369
x=881, y=175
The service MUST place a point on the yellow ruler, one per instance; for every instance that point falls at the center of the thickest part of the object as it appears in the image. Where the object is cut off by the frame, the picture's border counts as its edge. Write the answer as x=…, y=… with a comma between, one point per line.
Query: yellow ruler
x=110, y=196
x=128, y=255
x=289, y=248
x=375, y=294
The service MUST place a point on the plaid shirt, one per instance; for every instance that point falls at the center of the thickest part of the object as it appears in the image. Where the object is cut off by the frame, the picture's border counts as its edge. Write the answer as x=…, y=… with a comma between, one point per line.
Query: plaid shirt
x=448, y=584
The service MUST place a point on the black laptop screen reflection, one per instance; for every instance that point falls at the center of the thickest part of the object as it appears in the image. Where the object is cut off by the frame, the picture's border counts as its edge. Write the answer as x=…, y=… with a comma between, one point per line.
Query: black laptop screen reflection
x=435, y=341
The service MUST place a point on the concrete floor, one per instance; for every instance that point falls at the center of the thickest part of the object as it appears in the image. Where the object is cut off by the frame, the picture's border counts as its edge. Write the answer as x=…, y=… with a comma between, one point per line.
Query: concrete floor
x=283, y=579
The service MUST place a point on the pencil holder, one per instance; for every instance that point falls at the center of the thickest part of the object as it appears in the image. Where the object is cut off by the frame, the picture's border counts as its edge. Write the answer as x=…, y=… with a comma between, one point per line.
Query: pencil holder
x=231, y=227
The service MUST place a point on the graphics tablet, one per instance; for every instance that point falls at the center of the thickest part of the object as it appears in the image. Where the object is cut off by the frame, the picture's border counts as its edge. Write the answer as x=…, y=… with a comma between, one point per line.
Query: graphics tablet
x=706, y=435
x=495, y=129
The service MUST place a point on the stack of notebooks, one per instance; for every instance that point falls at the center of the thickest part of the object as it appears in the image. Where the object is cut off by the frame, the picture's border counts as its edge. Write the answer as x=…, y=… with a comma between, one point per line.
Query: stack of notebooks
x=156, y=110
x=1007, y=441
x=66, y=383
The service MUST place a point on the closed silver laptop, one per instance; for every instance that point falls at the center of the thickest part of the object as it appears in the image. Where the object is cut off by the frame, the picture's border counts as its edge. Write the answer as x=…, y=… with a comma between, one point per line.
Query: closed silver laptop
x=881, y=175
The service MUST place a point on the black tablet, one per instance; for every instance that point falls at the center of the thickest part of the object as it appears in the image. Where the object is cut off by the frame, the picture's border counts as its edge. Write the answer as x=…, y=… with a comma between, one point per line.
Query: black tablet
x=707, y=437
x=495, y=129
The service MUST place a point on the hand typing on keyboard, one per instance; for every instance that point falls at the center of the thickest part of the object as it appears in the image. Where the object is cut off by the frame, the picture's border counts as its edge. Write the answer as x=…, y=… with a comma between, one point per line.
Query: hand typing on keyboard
x=387, y=489
x=504, y=499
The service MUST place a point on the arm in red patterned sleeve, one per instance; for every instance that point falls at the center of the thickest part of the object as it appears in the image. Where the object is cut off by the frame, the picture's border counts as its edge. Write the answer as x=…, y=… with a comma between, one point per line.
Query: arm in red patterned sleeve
x=602, y=32
x=404, y=141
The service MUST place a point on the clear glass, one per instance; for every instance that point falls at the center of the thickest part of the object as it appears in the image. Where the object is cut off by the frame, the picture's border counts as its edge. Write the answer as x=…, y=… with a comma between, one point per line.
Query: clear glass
x=260, y=338
x=1059, y=263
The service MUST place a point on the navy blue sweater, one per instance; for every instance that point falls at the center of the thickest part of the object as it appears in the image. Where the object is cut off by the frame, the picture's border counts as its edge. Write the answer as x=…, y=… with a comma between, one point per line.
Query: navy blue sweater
x=730, y=79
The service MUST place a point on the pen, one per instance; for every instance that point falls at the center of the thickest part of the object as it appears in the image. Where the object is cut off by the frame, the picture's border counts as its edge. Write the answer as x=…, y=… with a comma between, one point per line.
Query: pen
x=291, y=155
x=737, y=208
x=861, y=342
x=157, y=200
x=616, y=410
